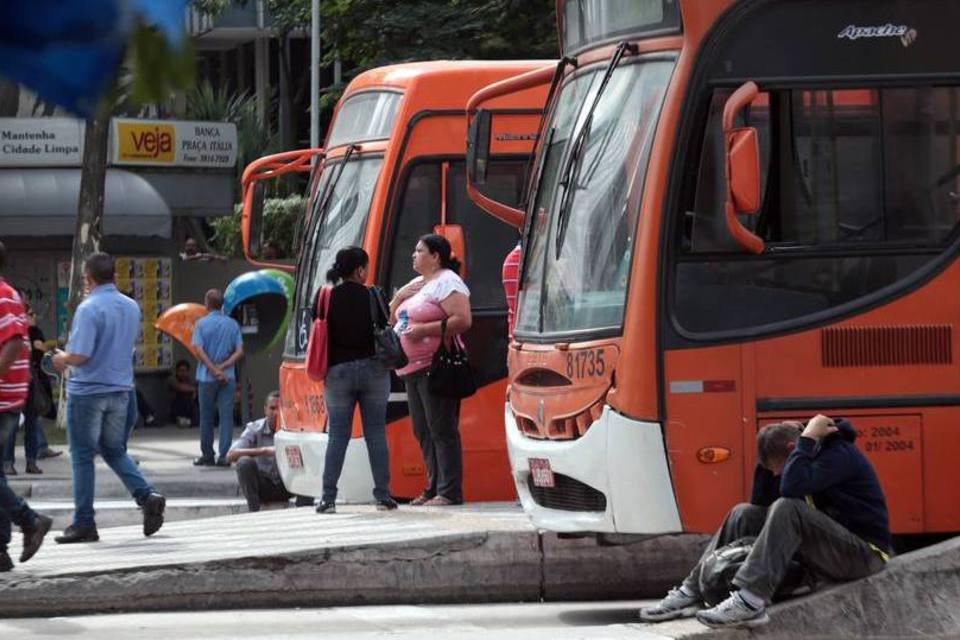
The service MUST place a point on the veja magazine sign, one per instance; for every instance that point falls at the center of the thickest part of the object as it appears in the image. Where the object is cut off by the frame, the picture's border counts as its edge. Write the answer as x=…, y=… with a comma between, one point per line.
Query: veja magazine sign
x=58, y=142
x=174, y=143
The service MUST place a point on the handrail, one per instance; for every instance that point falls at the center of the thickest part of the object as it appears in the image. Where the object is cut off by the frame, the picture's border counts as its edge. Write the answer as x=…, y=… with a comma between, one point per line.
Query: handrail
x=738, y=100
x=510, y=215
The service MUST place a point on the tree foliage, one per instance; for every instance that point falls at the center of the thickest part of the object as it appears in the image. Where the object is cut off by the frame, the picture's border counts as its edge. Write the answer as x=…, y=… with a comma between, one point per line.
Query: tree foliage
x=371, y=33
x=280, y=215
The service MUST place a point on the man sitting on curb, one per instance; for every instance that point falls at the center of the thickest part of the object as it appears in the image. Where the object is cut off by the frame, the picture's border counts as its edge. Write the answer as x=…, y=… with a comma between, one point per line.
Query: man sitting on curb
x=826, y=510
x=256, y=460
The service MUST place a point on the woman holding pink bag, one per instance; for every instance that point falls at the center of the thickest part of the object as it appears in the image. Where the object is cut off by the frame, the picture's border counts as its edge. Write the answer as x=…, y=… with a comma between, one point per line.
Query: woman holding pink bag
x=435, y=303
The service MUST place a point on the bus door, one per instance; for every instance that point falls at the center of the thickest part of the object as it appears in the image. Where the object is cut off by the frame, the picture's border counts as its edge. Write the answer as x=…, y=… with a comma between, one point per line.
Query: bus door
x=846, y=306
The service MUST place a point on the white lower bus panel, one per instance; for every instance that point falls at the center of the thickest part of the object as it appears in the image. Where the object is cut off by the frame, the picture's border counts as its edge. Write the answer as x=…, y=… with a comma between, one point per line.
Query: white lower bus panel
x=356, y=480
x=614, y=479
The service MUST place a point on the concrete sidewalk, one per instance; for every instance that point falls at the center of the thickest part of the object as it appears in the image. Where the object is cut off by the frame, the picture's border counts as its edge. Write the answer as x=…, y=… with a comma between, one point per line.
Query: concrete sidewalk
x=166, y=458
x=296, y=557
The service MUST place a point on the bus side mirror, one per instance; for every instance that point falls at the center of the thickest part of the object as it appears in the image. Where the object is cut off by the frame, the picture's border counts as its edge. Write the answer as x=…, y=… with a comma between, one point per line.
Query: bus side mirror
x=255, y=189
x=478, y=147
x=255, y=227
x=742, y=168
x=458, y=244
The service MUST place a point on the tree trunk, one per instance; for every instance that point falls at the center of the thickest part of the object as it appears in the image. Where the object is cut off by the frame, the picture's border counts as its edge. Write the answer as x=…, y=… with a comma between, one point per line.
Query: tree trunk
x=89, y=227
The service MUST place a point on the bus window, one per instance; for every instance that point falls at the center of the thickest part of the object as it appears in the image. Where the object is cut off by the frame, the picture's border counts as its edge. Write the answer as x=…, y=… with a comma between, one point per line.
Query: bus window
x=341, y=224
x=859, y=192
x=488, y=239
x=365, y=116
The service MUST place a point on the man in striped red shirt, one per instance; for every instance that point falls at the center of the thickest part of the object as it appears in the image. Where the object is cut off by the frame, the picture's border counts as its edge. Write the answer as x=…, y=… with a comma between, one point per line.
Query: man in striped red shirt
x=511, y=277
x=14, y=386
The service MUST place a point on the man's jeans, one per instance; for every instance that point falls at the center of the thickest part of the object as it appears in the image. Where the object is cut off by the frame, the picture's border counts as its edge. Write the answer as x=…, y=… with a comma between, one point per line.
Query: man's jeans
x=31, y=431
x=12, y=507
x=97, y=423
x=216, y=398
x=257, y=487
x=789, y=529
x=367, y=383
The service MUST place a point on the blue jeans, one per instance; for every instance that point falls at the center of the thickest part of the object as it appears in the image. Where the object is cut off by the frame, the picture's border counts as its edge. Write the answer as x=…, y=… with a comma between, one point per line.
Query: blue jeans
x=12, y=507
x=30, y=435
x=132, y=415
x=97, y=423
x=367, y=383
x=216, y=398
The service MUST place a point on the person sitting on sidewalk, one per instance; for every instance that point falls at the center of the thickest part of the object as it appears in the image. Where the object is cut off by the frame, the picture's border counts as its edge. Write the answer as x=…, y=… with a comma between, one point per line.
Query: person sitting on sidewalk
x=183, y=395
x=816, y=499
x=256, y=460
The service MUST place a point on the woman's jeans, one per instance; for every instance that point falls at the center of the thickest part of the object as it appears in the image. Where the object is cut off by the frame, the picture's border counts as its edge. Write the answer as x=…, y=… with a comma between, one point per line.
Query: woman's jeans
x=367, y=383
x=30, y=435
x=436, y=424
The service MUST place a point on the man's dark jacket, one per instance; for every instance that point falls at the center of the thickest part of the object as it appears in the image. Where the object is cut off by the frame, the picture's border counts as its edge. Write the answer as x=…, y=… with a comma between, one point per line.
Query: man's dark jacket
x=840, y=480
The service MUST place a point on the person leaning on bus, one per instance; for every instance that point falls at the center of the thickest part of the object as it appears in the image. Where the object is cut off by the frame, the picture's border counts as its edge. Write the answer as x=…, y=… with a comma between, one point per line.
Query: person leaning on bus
x=816, y=499
x=354, y=376
x=418, y=309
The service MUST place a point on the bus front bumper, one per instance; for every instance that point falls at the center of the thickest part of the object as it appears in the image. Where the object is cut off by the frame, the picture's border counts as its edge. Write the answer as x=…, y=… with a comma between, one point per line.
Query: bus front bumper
x=614, y=479
x=302, y=466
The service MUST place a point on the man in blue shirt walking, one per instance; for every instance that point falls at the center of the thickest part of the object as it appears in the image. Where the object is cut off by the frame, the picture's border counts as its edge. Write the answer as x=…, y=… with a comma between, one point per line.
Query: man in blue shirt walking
x=219, y=346
x=100, y=357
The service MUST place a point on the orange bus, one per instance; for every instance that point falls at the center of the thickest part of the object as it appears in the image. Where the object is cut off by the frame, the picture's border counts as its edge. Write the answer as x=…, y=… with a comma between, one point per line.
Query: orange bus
x=391, y=170
x=740, y=212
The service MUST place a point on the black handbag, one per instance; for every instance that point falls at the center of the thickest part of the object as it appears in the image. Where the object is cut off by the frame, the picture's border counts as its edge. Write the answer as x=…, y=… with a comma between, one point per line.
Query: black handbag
x=386, y=342
x=42, y=402
x=450, y=374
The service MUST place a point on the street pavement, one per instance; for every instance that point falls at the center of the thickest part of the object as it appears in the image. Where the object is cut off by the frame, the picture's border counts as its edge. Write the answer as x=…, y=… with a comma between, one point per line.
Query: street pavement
x=548, y=621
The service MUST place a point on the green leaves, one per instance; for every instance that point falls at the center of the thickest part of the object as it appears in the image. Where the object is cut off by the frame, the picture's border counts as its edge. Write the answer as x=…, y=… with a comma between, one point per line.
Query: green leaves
x=156, y=69
x=280, y=215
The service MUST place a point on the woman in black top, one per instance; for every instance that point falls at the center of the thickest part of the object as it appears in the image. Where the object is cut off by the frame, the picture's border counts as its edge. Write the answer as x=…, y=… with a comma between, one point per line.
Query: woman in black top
x=354, y=377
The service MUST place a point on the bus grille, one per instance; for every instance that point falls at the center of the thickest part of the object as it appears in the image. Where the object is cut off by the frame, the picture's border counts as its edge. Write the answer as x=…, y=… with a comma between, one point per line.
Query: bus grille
x=567, y=495
x=886, y=346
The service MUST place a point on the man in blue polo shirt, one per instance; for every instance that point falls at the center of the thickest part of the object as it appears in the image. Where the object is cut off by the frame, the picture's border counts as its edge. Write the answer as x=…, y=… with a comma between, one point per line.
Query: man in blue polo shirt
x=219, y=346
x=100, y=357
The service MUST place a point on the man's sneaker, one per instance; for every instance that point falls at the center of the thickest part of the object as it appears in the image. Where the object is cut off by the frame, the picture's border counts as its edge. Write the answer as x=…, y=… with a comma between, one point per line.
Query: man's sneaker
x=326, y=507
x=676, y=604
x=388, y=504
x=153, y=508
x=203, y=461
x=9, y=469
x=6, y=564
x=733, y=612
x=33, y=536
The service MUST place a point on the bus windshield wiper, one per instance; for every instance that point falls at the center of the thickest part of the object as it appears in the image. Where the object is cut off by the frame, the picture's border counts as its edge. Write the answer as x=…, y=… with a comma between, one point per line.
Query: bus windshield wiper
x=570, y=171
x=311, y=236
x=332, y=185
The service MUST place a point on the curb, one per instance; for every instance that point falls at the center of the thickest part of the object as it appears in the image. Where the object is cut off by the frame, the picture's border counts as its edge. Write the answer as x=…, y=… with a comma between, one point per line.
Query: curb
x=470, y=567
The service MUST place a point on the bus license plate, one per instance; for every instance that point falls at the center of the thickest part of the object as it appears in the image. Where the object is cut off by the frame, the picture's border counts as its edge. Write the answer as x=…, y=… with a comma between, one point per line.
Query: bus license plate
x=541, y=472
x=294, y=457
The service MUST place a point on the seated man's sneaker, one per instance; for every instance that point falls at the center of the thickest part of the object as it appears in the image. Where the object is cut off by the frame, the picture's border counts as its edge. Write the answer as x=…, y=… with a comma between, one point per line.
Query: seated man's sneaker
x=733, y=612
x=676, y=604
